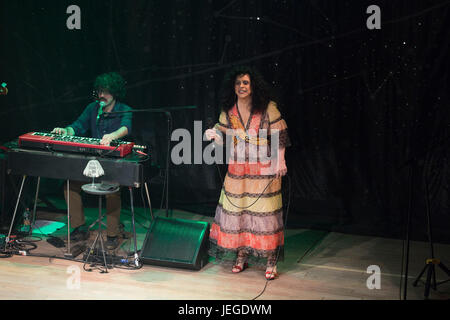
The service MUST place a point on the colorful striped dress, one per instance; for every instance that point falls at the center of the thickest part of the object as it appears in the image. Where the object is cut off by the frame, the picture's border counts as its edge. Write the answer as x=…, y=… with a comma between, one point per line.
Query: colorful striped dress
x=249, y=215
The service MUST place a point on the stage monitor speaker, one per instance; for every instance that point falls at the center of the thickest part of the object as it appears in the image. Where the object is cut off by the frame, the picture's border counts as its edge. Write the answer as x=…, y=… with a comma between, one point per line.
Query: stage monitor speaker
x=176, y=243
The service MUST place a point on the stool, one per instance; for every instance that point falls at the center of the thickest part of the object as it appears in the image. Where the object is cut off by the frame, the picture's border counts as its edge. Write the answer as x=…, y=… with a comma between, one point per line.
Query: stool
x=100, y=190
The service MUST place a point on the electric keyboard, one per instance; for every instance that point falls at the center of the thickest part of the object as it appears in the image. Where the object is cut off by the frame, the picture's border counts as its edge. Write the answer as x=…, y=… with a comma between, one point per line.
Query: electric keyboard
x=131, y=170
x=83, y=145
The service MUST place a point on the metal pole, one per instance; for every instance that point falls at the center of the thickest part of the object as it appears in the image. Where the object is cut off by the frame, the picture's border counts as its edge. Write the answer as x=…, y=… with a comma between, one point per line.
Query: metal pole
x=15, y=211
x=68, y=218
x=136, y=257
x=33, y=219
x=148, y=199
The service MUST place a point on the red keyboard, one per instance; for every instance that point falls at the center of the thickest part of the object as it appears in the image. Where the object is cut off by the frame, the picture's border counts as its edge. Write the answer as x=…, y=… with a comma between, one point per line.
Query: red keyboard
x=55, y=142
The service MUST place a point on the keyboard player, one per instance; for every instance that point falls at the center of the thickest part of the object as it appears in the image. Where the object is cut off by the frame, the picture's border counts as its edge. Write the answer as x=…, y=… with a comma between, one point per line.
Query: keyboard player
x=109, y=90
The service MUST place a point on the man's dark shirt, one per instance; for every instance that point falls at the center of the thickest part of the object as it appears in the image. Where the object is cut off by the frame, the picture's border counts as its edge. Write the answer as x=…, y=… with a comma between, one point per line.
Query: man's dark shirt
x=87, y=121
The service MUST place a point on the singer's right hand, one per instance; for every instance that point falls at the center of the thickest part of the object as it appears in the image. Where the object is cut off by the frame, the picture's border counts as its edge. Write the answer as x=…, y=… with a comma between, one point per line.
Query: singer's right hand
x=211, y=134
x=61, y=131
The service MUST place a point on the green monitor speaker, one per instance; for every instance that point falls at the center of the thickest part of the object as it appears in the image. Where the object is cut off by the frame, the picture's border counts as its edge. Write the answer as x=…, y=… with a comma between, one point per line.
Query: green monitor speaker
x=176, y=243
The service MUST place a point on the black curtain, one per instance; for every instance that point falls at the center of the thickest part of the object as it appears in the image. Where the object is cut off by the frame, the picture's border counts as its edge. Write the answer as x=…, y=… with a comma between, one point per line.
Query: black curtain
x=366, y=109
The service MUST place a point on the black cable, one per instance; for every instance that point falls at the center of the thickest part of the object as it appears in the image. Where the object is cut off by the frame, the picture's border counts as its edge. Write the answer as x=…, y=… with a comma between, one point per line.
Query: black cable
x=284, y=228
x=102, y=155
x=26, y=238
x=25, y=247
x=259, y=197
x=52, y=257
x=30, y=234
x=16, y=246
x=146, y=158
x=10, y=254
x=97, y=261
x=5, y=255
x=309, y=249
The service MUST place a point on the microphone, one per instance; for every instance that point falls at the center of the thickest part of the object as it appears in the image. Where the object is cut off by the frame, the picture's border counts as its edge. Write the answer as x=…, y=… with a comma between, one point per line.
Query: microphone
x=100, y=110
x=3, y=89
x=210, y=125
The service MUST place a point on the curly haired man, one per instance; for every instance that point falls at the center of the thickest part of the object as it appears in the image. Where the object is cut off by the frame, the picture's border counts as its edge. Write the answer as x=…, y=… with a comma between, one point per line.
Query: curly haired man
x=95, y=121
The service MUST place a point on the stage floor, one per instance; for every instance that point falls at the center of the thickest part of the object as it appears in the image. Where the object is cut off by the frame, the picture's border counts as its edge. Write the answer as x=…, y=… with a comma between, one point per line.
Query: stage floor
x=318, y=265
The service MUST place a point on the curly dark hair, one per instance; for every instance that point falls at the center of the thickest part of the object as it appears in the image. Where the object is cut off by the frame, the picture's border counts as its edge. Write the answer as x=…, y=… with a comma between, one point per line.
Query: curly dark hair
x=261, y=95
x=111, y=82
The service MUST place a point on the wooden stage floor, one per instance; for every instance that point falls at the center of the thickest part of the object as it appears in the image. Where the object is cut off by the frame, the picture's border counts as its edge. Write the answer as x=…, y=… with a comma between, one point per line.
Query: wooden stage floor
x=318, y=265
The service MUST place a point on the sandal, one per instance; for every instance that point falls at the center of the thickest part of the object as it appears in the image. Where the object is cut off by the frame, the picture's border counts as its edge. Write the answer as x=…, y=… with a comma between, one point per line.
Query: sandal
x=239, y=268
x=241, y=262
x=271, y=275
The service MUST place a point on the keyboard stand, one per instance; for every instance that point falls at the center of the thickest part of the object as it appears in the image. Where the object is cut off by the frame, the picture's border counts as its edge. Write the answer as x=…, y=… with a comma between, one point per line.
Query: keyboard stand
x=15, y=212
x=70, y=252
x=127, y=172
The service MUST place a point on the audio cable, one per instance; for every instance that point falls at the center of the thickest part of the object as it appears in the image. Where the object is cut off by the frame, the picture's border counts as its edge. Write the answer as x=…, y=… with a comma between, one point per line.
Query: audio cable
x=284, y=228
x=231, y=202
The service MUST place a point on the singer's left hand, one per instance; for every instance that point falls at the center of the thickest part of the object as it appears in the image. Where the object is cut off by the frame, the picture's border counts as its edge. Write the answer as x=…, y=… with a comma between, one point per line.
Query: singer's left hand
x=106, y=140
x=282, y=169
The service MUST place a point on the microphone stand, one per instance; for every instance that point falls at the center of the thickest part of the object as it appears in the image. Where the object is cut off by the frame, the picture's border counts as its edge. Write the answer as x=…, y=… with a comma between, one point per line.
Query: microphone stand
x=431, y=263
x=166, y=111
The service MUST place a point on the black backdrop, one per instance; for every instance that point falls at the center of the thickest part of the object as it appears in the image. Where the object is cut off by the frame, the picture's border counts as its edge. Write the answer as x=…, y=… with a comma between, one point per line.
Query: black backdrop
x=360, y=104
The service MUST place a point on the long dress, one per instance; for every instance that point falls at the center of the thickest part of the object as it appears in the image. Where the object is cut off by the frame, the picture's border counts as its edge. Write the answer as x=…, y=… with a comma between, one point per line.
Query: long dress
x=249, y=215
